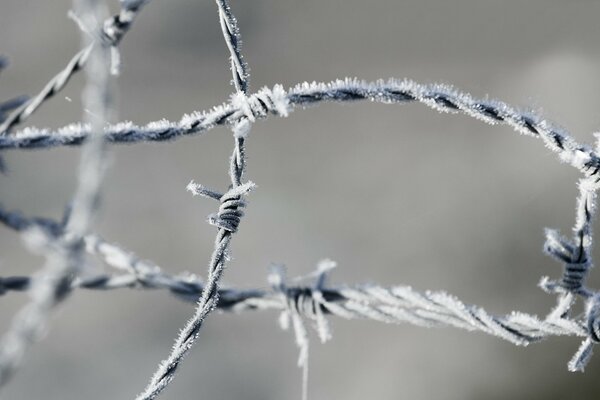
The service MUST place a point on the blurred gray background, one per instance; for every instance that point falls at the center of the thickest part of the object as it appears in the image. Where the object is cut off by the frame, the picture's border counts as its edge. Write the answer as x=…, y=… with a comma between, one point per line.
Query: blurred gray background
x=396, y=194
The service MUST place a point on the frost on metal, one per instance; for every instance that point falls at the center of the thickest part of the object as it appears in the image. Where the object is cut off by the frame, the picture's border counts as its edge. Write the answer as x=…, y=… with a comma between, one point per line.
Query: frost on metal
x=302, y=303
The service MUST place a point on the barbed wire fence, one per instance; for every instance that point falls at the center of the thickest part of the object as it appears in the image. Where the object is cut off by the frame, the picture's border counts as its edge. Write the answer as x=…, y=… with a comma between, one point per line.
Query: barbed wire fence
x=65, y=243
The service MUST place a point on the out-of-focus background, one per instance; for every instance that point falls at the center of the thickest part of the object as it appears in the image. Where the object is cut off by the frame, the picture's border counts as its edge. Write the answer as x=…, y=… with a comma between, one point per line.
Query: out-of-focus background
x=396, y=194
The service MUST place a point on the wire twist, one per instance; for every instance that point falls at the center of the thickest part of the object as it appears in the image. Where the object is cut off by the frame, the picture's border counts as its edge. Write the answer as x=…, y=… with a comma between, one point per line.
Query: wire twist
x=231, y=34
x=576, y=253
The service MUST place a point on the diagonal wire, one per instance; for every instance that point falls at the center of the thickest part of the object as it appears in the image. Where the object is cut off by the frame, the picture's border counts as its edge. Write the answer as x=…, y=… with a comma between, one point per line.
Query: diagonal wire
x=113, y=31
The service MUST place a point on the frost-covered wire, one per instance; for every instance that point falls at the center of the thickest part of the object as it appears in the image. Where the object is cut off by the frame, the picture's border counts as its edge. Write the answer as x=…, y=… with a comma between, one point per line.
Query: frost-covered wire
x=576, y=253
x=258, y=105
x=577, y=258
x=226, y=220
x=400, y=304
x=65, y=257
x=277, y=101
x=396, y=304
x=113, y=30
x=231, y=33
x=65, y=242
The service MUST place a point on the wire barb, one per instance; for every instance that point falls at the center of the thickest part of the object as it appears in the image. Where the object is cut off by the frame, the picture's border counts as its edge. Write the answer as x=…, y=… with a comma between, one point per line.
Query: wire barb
x=227, y=219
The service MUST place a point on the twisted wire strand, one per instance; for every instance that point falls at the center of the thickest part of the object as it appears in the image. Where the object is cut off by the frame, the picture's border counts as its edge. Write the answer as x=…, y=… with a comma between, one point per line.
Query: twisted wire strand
x=400, y=304
x=279, y=102
x=52, y=284
x=227, y=220
x=231, y=33
x=394, y=305
x=114, y=28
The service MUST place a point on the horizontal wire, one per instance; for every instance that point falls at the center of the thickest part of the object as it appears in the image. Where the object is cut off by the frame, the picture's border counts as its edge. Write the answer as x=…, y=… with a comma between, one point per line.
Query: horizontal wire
x=396, y=304
x=391, y=305
x=439, y=97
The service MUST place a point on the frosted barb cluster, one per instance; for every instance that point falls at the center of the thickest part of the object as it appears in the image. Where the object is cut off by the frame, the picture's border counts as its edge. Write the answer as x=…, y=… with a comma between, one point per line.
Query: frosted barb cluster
x=301, y=305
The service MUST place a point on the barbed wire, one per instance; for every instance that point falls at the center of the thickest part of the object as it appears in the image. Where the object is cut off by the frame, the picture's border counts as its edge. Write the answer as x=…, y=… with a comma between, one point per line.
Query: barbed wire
x=226, y=220
x=397, y=304
x=390, y=305
x=64, y=242
x=277, y=101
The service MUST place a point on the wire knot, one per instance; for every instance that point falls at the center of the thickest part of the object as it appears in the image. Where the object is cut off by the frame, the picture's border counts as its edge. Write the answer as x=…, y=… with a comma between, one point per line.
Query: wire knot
x=576, y=265
x=299, y=302
x=303, y=301
x=230, y=211
x=261, y=103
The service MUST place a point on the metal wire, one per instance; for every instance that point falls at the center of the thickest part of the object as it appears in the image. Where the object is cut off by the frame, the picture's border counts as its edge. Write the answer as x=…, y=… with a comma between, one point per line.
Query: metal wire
x=65, y=242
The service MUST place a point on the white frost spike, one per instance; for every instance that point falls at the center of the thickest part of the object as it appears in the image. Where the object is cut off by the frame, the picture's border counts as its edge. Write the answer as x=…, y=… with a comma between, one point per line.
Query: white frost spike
x=115, y=61
x=302, y=342
x=280, y=100
x=323, y=328
x=582, y=357
x=241, y=129
x=284, y=320
x=240, y=101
